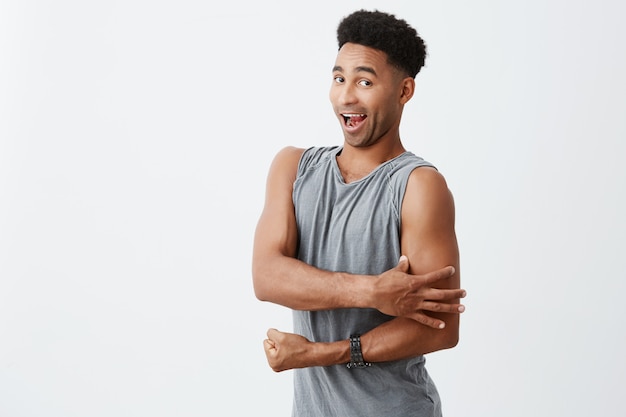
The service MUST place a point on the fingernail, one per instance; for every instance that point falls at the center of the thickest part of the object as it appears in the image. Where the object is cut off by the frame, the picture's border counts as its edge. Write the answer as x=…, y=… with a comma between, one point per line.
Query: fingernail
x=461, y=309
x=442, y=325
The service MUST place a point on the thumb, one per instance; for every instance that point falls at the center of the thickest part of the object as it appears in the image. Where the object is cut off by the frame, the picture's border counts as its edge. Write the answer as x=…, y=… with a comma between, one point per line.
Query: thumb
x=271, y=332
x=403, y=264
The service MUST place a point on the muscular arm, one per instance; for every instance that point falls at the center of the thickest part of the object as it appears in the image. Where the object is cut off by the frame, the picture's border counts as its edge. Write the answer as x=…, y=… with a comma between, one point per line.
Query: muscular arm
x=280, y=278
x=429, y=241
x=277, y=276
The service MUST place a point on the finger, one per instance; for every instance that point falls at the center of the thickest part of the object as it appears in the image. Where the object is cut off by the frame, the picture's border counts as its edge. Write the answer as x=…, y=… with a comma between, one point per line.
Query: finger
x=428, y=321
x=272, y=333
x=441, y=294
x=439, y=274
x=270, y=349
x=442, y=307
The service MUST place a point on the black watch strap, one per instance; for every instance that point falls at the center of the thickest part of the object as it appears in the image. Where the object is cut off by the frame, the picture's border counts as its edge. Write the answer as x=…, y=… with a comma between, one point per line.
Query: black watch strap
x=356, y=355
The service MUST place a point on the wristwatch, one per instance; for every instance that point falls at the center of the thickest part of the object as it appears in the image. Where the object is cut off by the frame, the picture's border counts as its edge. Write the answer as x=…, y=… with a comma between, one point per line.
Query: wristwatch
x=356, y=355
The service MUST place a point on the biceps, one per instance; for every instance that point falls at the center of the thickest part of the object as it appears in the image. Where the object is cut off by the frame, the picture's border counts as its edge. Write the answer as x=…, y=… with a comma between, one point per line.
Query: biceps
x=430, y=253
x=428, y=237
x=276, y=232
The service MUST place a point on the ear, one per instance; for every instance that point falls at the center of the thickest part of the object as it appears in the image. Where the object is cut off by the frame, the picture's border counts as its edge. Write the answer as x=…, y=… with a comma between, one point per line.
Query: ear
x=408, y=88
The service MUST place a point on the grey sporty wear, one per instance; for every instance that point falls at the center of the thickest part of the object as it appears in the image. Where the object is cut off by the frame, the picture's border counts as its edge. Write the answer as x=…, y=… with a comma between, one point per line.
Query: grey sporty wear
x=354, y=228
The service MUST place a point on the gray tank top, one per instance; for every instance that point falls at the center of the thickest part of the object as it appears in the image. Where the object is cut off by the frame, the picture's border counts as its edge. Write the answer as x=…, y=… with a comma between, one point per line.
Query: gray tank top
x=354, y=228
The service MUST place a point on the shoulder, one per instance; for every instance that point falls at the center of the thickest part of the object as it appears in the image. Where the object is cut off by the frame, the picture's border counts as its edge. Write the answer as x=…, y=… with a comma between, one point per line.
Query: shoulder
x=286, y=161
x=295, y=161
x=312, y=155
x=426, y=179
x=288, y=154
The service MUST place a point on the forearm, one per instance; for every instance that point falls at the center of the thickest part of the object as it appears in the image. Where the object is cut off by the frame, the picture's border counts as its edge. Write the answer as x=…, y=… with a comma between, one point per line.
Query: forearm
x=289, y=282
x=403, y=338
x=291, y=351
x=400, y=338
x=328, y=354
x=284, y=280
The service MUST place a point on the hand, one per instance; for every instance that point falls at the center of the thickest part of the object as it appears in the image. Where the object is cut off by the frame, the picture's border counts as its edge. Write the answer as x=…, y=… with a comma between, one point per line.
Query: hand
x=286, y=350
x=400, y=294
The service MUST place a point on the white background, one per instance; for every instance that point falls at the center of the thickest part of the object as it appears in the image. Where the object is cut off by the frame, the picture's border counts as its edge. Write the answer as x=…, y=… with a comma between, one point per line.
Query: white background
x=135, y=137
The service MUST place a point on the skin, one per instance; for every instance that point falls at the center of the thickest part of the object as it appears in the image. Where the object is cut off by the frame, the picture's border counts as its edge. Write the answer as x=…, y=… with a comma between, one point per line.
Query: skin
x=423, y=293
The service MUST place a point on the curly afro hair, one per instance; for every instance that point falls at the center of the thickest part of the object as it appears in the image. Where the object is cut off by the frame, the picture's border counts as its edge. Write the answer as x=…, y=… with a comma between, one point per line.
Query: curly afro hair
x=383, y=31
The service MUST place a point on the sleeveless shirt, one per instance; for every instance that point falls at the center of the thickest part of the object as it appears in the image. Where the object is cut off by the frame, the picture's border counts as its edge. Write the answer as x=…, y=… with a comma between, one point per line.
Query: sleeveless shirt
x=354, y=228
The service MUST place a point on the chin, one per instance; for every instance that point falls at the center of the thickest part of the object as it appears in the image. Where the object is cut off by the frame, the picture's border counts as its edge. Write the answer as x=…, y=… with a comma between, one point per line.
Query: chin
x=358, y=143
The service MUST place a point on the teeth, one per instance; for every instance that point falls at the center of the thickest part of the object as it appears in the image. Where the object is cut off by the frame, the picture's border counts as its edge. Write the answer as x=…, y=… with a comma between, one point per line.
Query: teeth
x=353, y=114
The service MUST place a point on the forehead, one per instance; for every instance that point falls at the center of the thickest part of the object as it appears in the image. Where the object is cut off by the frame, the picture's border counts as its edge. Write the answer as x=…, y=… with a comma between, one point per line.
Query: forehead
x=352, y=57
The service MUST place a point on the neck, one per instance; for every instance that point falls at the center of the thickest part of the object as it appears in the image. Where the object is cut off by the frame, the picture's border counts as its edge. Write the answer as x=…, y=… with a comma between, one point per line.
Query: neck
x=357, y=162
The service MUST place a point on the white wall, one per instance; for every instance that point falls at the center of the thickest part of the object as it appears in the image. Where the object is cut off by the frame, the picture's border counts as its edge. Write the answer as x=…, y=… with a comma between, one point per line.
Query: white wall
x=135, y=138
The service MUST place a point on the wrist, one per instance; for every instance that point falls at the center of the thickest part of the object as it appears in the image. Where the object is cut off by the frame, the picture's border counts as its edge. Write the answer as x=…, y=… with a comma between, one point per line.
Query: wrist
x=369, y=295
x=355, y=291
x=331, y=353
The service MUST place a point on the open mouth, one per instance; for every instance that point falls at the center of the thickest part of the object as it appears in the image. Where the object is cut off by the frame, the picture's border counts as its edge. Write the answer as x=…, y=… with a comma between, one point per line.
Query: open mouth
x=353, y=119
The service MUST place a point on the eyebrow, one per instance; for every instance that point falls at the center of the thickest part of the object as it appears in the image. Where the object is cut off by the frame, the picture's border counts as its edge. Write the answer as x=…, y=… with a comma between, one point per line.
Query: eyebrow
x=357, y=69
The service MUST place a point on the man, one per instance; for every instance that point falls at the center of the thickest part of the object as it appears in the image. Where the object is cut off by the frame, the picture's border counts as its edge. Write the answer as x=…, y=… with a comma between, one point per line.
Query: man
x=359, y=241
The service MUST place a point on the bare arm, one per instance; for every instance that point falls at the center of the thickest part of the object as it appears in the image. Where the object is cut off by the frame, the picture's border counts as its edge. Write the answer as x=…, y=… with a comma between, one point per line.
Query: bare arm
x=429, y=240
x=280, y=278
x=277, y=276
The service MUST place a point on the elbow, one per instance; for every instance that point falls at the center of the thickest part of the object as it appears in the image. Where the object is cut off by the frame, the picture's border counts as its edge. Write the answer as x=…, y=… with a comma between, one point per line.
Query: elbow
x=447, y=338
x=259, y=283
x=444, y=342
x=450, y=337
x=451, y=340
x=261, y=294
x=266, y=278
x=450, y=334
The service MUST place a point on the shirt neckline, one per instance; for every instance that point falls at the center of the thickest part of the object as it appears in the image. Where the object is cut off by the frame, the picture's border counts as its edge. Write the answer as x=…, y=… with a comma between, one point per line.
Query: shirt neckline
x=335, y=165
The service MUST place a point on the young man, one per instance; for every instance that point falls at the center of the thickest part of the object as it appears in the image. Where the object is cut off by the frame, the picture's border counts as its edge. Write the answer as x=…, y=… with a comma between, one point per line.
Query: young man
x=359, y=241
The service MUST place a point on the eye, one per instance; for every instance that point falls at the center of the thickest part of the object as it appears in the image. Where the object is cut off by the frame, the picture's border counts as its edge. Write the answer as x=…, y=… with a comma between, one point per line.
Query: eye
x=365, y=83
x=338, y=79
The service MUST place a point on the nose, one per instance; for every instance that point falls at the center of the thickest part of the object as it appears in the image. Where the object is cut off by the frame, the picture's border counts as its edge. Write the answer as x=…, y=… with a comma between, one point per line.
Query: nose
x=348, y=94
x=345, y=94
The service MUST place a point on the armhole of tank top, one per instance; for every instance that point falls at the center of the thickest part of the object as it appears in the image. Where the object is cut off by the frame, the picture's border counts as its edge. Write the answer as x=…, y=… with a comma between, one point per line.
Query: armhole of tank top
x=303, y=162
x=401, y=186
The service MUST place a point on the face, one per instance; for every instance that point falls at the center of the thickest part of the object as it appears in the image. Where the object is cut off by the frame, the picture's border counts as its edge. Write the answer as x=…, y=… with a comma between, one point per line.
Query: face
x=368, y=95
